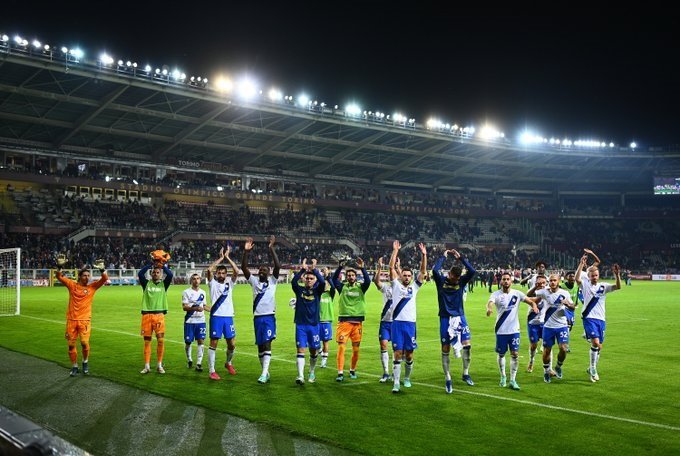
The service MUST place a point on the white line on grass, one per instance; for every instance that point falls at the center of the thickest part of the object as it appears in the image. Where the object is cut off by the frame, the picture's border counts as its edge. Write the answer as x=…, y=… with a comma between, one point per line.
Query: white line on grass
x=491, y=396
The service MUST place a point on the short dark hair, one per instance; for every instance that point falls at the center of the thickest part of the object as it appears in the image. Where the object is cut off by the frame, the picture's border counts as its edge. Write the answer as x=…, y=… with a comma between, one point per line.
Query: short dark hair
x=350, y=270
x=82, y=271
x=541, y=276
x=456, y=270
x=571, y=273
x=541, y=262
x=406, y=268
x=507, y=274
x=221, y=268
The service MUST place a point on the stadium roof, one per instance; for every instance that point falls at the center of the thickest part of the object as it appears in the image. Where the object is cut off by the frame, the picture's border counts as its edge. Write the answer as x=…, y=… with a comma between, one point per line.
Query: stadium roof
x=63, y=107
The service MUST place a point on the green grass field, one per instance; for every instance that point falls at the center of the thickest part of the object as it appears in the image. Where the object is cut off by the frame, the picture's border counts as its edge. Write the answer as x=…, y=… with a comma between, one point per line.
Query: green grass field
x=634, y=407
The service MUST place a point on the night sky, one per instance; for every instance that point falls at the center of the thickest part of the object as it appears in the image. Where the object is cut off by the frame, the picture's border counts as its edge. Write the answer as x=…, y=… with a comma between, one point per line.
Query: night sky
x=581, y=76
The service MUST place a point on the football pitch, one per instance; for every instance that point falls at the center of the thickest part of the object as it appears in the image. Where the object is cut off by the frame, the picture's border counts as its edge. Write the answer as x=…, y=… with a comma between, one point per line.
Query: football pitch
x=632, y=409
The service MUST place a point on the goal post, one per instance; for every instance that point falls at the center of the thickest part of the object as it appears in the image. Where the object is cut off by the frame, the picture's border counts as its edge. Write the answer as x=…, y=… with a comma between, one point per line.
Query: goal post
x=10, y=281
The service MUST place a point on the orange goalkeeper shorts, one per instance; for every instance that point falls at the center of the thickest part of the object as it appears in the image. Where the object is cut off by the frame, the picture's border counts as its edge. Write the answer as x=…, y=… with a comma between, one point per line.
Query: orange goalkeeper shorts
x=153, y=322
x=349, y=330
x=75, y=328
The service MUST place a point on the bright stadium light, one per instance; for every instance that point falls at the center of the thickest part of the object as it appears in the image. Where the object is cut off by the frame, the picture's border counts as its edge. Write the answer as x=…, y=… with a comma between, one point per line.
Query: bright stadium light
x=4, y=38
x=247, y=88
x=353, y=110
x=106, y=59
x=633, y=145
x=303, y=100
x=488, y=133
x=37, y=44
x=611, y=144
x=275, y=95
x=220, y=188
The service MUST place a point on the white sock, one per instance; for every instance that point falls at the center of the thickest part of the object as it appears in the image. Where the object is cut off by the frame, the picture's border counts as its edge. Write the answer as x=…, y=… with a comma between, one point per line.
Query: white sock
x=501, y=364
x=187, y=351
x=199, y=354
x=551, y=363
x=230, y=356
x=409, y=369
x=324, y=358
x=466, y=360
x=211, y=359
x=446, y=365
x=514, y=364
x=594, y=355
x=266, y=359
x=312, y=363
x=396, y=371
x=385, y=360
x=301, y=364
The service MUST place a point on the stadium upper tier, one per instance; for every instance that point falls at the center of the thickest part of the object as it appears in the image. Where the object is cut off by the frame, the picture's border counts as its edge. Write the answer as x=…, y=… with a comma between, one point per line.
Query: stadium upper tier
x=65, y=107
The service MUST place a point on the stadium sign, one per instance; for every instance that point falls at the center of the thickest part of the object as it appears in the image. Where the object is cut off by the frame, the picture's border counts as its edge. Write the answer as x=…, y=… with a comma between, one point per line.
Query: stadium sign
x=666, y=277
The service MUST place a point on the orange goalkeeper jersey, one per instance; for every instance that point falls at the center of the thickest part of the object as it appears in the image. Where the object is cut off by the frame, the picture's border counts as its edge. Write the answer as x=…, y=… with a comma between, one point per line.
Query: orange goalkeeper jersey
x=80, y=297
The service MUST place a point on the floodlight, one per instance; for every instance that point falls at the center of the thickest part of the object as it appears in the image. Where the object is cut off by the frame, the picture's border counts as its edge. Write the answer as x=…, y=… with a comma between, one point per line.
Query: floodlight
x=353, y=109
x=274, y=95
x=103, y=58
x=37, y=44
x=633, y=145
x=247, y=88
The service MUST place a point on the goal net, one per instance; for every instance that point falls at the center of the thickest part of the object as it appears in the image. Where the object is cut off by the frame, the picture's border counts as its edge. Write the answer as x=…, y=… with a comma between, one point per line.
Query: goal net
x=10, y=283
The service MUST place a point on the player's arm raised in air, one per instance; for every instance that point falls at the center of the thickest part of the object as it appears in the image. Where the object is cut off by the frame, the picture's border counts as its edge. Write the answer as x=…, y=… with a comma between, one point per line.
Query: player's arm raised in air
x=423, y=262
x=168, y=276
x=367, y=282
x=579, y=270
x=235, y=270
x=596, y=259
x=211, y=269
x=376, y=277
x=396, y=245
x=272, y=251
x=297, y=276
x=247, y=247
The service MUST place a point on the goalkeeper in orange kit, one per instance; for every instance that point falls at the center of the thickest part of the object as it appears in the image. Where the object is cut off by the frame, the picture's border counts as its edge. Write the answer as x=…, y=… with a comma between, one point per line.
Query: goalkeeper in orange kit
x=79, y=312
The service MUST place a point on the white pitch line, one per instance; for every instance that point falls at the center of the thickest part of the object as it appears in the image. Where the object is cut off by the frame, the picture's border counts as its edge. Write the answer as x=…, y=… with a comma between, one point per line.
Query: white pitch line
x=427, y=385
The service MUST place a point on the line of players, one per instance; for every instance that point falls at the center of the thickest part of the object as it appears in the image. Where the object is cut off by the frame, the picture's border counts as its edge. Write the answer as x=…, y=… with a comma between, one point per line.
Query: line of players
x=315, y=291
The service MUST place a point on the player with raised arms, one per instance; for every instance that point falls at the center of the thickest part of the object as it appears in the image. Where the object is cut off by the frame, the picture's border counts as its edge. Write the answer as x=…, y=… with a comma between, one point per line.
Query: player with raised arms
x=385, y=330
x=593, y=314
x=79, y=311
x=307, y=311
x=351, y=314
x=404, y=291
x=264, y=303
x=155, y=306
x=453, y=326
x=222, y=310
